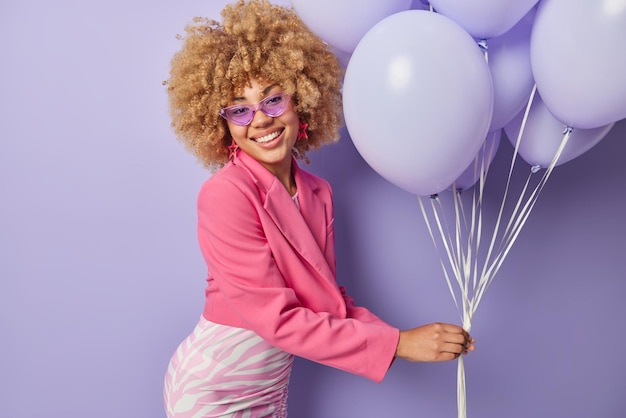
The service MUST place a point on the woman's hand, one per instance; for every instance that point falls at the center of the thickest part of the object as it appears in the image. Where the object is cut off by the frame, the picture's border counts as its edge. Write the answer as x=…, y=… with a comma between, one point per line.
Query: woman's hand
x=434, y=342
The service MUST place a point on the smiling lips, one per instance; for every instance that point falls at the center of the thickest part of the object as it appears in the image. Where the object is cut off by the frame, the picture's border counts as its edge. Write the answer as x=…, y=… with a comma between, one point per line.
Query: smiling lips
x=267, y=138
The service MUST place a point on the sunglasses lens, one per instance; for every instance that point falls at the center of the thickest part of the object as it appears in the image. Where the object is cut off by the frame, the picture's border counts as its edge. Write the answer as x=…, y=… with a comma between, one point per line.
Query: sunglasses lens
x=242, y=115
x=275, y=105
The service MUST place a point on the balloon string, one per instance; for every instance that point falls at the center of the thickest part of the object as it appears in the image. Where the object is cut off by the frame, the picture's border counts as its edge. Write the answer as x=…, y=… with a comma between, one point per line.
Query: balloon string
x=461, y=397
x=475, y=229
x=522, y=218
x=468, y=277
x=437, y=249
x=508, y=181
x=462, y=284
x=460, y=270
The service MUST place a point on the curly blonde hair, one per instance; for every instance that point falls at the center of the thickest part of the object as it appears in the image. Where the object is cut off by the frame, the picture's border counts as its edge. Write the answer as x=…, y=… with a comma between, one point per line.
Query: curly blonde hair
x=257, y=40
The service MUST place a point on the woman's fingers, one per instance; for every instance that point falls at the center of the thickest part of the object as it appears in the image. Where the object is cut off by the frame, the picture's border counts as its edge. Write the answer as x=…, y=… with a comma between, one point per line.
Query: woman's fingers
x=457, y=335
x=434, y=342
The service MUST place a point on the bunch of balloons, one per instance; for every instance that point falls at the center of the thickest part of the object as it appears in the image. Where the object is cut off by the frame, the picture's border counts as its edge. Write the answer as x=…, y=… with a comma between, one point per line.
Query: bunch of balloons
x=427, y=83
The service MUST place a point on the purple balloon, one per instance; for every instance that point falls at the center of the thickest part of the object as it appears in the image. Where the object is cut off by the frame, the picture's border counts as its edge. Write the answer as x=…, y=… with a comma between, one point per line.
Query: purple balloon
x=484, y=19
x=343, y=23
x=509, y=63
x=578, y=58
x=418, y=100
x=481, y=162
x=543, y=134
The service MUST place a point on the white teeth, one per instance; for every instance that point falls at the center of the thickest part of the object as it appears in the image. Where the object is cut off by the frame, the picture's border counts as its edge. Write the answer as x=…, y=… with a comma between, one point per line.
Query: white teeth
x=267, y=138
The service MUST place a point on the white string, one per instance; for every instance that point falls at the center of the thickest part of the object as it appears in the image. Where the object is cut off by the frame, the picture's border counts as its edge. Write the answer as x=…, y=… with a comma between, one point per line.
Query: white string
x=441, y=260
x=460, y=241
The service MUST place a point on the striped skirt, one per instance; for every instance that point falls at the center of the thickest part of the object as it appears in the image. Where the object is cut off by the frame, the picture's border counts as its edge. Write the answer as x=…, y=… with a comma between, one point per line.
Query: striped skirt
x=223, y=371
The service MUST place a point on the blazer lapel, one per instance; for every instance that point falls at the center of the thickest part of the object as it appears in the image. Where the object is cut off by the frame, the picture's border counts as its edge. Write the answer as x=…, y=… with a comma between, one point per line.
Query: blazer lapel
x=312, y=208
x=295, y=227
x=305, y=230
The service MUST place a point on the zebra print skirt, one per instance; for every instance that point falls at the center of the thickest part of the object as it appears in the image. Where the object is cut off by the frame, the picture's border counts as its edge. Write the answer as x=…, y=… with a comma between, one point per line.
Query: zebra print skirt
x=223, y=371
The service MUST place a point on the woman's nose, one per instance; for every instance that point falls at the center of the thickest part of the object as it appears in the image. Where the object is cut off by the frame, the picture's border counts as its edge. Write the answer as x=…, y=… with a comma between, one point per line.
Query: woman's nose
x=260, y=119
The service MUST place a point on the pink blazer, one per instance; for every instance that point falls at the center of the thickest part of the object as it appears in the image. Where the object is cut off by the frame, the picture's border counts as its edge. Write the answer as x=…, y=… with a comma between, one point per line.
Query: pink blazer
x=272, y=269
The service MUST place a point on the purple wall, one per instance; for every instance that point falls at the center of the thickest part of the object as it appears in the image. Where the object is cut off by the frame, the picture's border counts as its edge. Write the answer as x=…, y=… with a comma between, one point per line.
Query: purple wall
x=101, y=276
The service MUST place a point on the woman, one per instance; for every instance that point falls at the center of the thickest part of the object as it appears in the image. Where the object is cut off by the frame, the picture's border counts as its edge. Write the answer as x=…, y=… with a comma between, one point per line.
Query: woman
x=248, y=97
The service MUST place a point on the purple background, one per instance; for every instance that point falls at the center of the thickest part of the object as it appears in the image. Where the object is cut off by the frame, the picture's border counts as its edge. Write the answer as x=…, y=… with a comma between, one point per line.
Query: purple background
x=101, y=276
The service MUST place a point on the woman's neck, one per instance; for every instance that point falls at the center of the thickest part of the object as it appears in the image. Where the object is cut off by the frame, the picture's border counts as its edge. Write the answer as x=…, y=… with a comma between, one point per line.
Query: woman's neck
x=289, y=182
x=285, y=176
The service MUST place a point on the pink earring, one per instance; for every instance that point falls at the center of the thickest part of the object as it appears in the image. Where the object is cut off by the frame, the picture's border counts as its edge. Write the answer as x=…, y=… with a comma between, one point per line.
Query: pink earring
x=302, y=130
x=232, y=150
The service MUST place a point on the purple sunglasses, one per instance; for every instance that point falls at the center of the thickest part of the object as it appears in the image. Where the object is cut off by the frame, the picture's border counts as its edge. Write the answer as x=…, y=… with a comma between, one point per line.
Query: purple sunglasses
x=242, y=114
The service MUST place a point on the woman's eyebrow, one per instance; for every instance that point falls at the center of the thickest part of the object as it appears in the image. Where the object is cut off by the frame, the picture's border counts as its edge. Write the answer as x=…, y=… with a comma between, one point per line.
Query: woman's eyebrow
x=268, y=89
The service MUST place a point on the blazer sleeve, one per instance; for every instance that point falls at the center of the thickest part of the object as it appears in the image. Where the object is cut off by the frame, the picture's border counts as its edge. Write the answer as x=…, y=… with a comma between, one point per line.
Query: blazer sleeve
x=241, y=264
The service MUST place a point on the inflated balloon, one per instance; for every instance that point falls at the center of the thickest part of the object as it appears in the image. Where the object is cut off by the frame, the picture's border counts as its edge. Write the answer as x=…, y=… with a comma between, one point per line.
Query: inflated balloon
x=343, y=23
x=543, y=134
x=418, y=100
x=509, y=63
x=484, y=19
x=481, y=162
x=578, y=59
